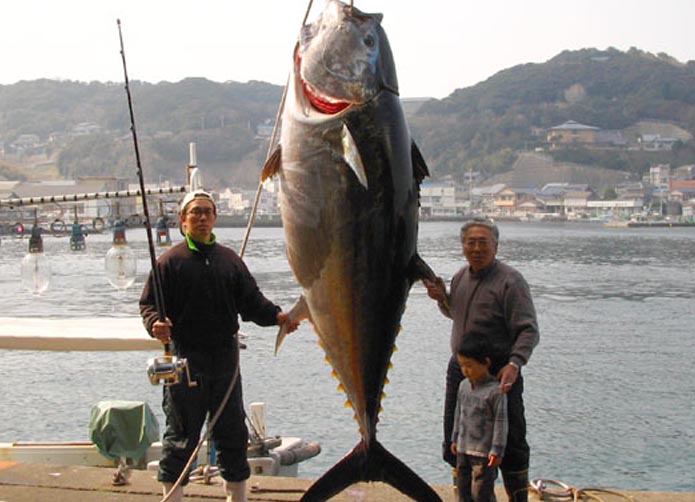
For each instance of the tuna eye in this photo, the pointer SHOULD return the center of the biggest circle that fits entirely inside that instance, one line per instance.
(369, 41)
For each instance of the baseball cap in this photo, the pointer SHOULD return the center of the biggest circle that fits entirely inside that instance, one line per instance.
(196, 194)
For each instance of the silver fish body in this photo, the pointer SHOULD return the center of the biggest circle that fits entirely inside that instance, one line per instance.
(350, 175)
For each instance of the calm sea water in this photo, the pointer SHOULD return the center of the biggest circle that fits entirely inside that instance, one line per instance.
(610, 388)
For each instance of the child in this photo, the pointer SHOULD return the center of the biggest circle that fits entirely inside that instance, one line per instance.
(480, 424)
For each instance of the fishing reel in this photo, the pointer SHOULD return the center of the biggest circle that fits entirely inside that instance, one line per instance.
(168, 369)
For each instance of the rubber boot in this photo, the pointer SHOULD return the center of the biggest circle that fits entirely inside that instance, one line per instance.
(236, 491)
(516, 485)
(177, 496)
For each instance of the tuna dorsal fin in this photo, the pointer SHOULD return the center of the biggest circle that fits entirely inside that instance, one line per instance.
(272, 165)
(352, 157)
(420, 171)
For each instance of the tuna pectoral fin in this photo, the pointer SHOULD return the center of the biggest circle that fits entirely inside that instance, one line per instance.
(272, 165)
(351, 154)
(419, 270)
(373, 463)
(298, 312)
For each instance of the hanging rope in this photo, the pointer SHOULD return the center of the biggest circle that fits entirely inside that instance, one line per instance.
(233, 383)
(271, 146)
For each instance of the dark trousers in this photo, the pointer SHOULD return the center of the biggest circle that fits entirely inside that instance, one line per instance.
(515, 462)
(475, 481)
(186, 409)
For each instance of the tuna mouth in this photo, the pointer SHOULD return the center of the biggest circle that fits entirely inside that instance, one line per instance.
(319, 101)
(322, 103)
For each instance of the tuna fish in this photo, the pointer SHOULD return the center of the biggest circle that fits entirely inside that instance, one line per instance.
(350, 176)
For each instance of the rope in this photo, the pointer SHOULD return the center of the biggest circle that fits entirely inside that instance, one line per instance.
(561, 491)
(271, 145)
(208, 431)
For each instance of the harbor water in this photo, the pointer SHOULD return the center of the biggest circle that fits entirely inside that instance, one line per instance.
(609, 390)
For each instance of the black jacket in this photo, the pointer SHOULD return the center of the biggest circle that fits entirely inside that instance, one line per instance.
(205, 290)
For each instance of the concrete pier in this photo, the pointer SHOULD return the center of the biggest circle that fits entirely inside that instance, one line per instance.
(34, 482)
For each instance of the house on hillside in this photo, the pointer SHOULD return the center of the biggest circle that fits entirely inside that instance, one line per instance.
(656, 142)
(85, 129)
(27, 144)
(572, 133)
(610, 138)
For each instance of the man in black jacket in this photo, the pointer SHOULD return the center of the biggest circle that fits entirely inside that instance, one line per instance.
(205, 287)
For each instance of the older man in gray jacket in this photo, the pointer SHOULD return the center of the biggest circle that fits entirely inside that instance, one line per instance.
(493, 299)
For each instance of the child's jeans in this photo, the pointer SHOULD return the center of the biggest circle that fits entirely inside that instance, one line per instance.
(475, 480)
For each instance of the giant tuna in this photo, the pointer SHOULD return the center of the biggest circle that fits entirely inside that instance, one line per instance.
(350, 176)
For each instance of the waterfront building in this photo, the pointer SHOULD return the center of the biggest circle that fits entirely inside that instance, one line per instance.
(443, 200)
(510, 198)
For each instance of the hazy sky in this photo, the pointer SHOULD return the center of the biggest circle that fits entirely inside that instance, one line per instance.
(439, 45)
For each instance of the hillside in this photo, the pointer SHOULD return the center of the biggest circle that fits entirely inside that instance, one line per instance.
(480, 127)
(535, 169)
(73, 129)
(85, 128)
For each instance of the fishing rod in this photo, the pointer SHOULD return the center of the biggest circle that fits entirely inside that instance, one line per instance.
(167, 368)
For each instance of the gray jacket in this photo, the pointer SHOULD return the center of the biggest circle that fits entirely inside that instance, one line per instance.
(480, 422)
(496, 303)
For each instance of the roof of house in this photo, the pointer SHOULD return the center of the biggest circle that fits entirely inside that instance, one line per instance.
(489, 190)
(572, 125)
(657, 138)
(558, 189)
(521, 190)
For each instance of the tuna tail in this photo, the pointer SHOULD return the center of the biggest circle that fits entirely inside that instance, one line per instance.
(370, 463)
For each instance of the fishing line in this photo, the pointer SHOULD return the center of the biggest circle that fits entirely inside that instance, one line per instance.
(156, 280)
(155, 274)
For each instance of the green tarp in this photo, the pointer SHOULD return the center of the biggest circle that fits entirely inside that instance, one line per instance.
(123, 429)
